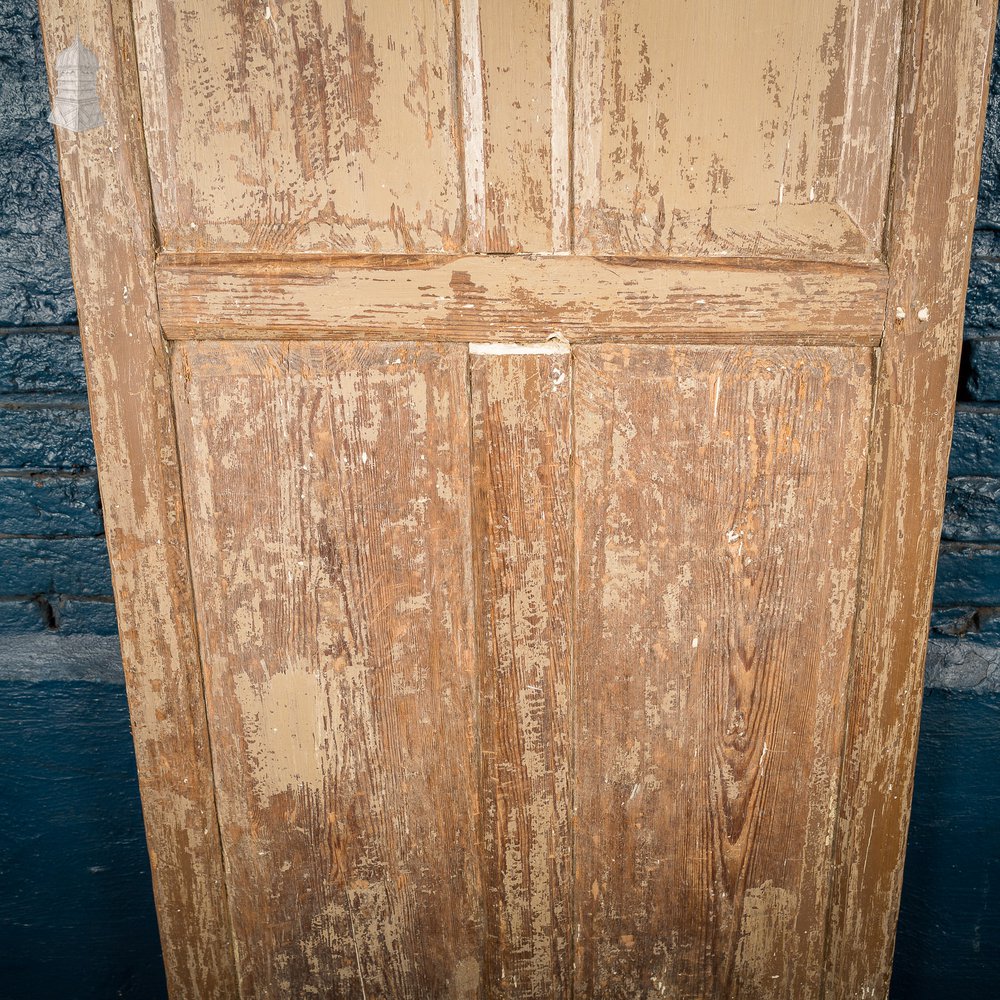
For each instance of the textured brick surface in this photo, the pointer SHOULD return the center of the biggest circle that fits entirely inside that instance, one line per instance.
(988, 208)
(35, 282)
(968, 575)
(76, 566)
(963, 653)
(982, 304)
(44, 432)
(42, 360)
(19, 616)
(975, 443)
(45, 503)
(981, 370)
(972, 510)
(79, 616)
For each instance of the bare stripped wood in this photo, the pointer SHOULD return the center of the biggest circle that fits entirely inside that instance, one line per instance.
(327, 493)
(522, 531)
(717, 129)
(302, 126)
(525, 96)
(521, 298)
(946, 57)
(718, 523)
(106, 195)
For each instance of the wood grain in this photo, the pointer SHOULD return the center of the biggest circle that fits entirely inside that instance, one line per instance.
(525, 96)
(718, 521)
(327, 493)
(521, 298)
(302, 125)
(945, 65)
(717, 129)
(522, 531)
(105, 191)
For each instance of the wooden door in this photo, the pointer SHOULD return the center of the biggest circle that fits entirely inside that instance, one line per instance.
(522, 430)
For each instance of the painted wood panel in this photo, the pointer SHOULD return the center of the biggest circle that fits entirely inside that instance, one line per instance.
(525, 49)
(511, 298)
(729, 128)
(718, 521)
(110, 224)
(302, 125)
(522, 525)
(328, 500)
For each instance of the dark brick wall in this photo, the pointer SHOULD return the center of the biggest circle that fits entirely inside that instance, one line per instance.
(76, 907)
(964, 649)
(54, 575)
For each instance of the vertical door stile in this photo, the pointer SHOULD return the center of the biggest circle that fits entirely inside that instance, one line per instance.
(522, 543)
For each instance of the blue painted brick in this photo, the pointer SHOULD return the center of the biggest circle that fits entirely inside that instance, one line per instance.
(988, 208)
(42, 360)
(65, 615)
(982, 302)
(972, 510)
(43, 435)
(50, 504)
(35, 283)
(975, 445)
(968, 575)
(78, 616)
(20, 616)
(77, 566)
(981, 370)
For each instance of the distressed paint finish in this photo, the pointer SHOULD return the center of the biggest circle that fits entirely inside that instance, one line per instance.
(522, 530)
(110, 223)
(719, 128)
(523, 298)
(525, 79)
(328, 487)
(403, 813)
(945, 64)
(718, 522)
(302, 125)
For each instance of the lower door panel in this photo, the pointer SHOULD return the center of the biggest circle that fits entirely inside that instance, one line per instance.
(526, 670)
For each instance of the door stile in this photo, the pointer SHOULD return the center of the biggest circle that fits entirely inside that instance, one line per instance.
(938, 145)
(111, 228)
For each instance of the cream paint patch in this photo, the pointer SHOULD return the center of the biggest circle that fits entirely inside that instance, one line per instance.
(767, 927)
(286, 730)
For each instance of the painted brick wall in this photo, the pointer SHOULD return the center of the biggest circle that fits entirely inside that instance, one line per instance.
(76, 908)
(72, 858)
(964, 652)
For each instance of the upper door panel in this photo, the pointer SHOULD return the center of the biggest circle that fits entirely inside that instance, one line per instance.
(651, 128)
(303, 125)
(733, 128)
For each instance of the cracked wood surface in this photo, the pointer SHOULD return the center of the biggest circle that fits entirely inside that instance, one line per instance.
(717, 525)
(482, 298)
(327, 489)
(521, 409)
(105, 189)
(945, 74)
(525, 623)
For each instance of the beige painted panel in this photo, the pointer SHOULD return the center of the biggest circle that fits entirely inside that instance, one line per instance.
(302, 125)
(719, 495)
(733, 128)
(328, 499)
(526, 124)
